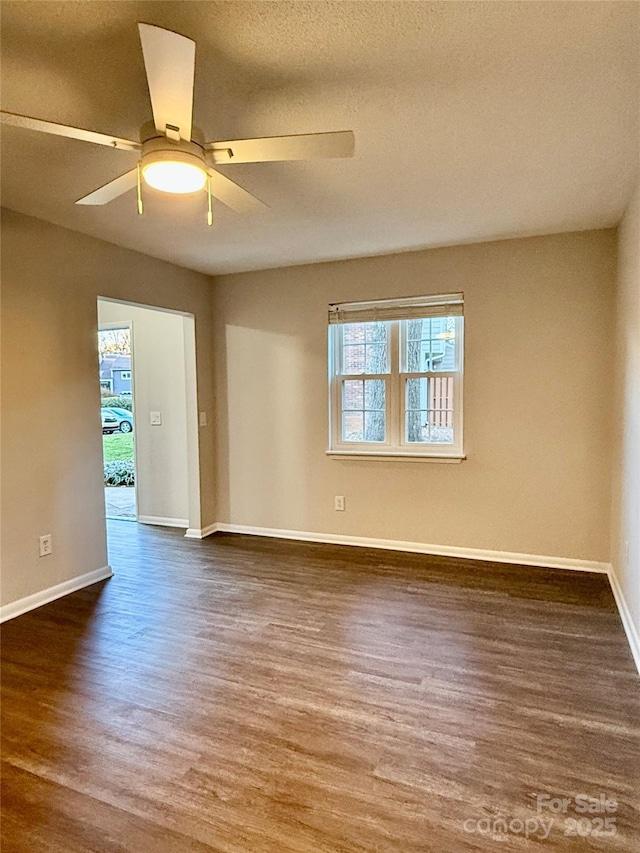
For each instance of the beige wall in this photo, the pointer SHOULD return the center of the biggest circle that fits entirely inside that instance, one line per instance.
(539, 360)
(626, 492)
(51, 450)
(162, 465)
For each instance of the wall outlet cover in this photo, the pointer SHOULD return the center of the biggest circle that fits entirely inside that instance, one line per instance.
(45, 545)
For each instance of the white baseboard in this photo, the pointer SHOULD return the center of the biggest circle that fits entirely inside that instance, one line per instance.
(201, 532)
(625, 615)
(30, 602)
(420, 548)
(160, 521)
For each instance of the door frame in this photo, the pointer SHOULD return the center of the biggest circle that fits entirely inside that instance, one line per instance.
(192, 410)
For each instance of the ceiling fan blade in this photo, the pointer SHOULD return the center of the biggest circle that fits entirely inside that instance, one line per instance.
(15, 120)
(232, 195)
(169, 60)
(112, 190)
(304, 146)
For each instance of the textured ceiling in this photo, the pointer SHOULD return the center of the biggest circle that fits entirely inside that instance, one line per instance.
(473, 120)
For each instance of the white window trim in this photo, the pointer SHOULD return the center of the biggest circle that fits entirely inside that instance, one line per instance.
(395, 446)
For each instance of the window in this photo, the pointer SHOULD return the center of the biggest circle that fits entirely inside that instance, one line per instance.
(396, 377)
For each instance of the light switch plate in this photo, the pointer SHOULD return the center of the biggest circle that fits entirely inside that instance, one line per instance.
(155, 418)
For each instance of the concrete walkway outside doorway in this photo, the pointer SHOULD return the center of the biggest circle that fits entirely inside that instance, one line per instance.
(120, 502)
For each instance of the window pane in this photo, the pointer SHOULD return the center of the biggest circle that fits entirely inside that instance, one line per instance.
(354, 358)
(376, 332)
(354, 333)
(429, 410)
(364, 410)
(353, 426)
(374, 394)
(353, 396)
(364, 348)
(430, 345)
(376, 358)
(374, 426)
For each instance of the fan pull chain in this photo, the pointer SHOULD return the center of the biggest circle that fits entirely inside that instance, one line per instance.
(209, 211)
(140, 205)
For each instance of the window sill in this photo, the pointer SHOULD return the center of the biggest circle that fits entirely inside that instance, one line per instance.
(454, 458)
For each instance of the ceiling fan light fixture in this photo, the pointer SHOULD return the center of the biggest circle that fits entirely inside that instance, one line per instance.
(174, 172)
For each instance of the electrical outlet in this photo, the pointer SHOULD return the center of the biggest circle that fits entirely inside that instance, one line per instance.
(203, 418)
(338, 503)
(46, 545)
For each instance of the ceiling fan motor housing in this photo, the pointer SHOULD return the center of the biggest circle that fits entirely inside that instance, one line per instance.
(161, 148)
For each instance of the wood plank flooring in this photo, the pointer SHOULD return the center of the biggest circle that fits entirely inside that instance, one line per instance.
(248, 695)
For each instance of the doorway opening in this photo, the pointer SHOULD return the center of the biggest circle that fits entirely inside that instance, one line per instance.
(118, 423)
(151, 441)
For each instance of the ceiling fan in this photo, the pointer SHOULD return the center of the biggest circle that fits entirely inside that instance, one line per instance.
(174, 156)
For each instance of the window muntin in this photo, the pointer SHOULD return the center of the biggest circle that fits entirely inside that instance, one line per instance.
(364, 411)
(429, 345)
(364, 348)
(396, 385)
(429, 410)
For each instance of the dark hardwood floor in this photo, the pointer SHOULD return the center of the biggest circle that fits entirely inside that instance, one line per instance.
(248, 695)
